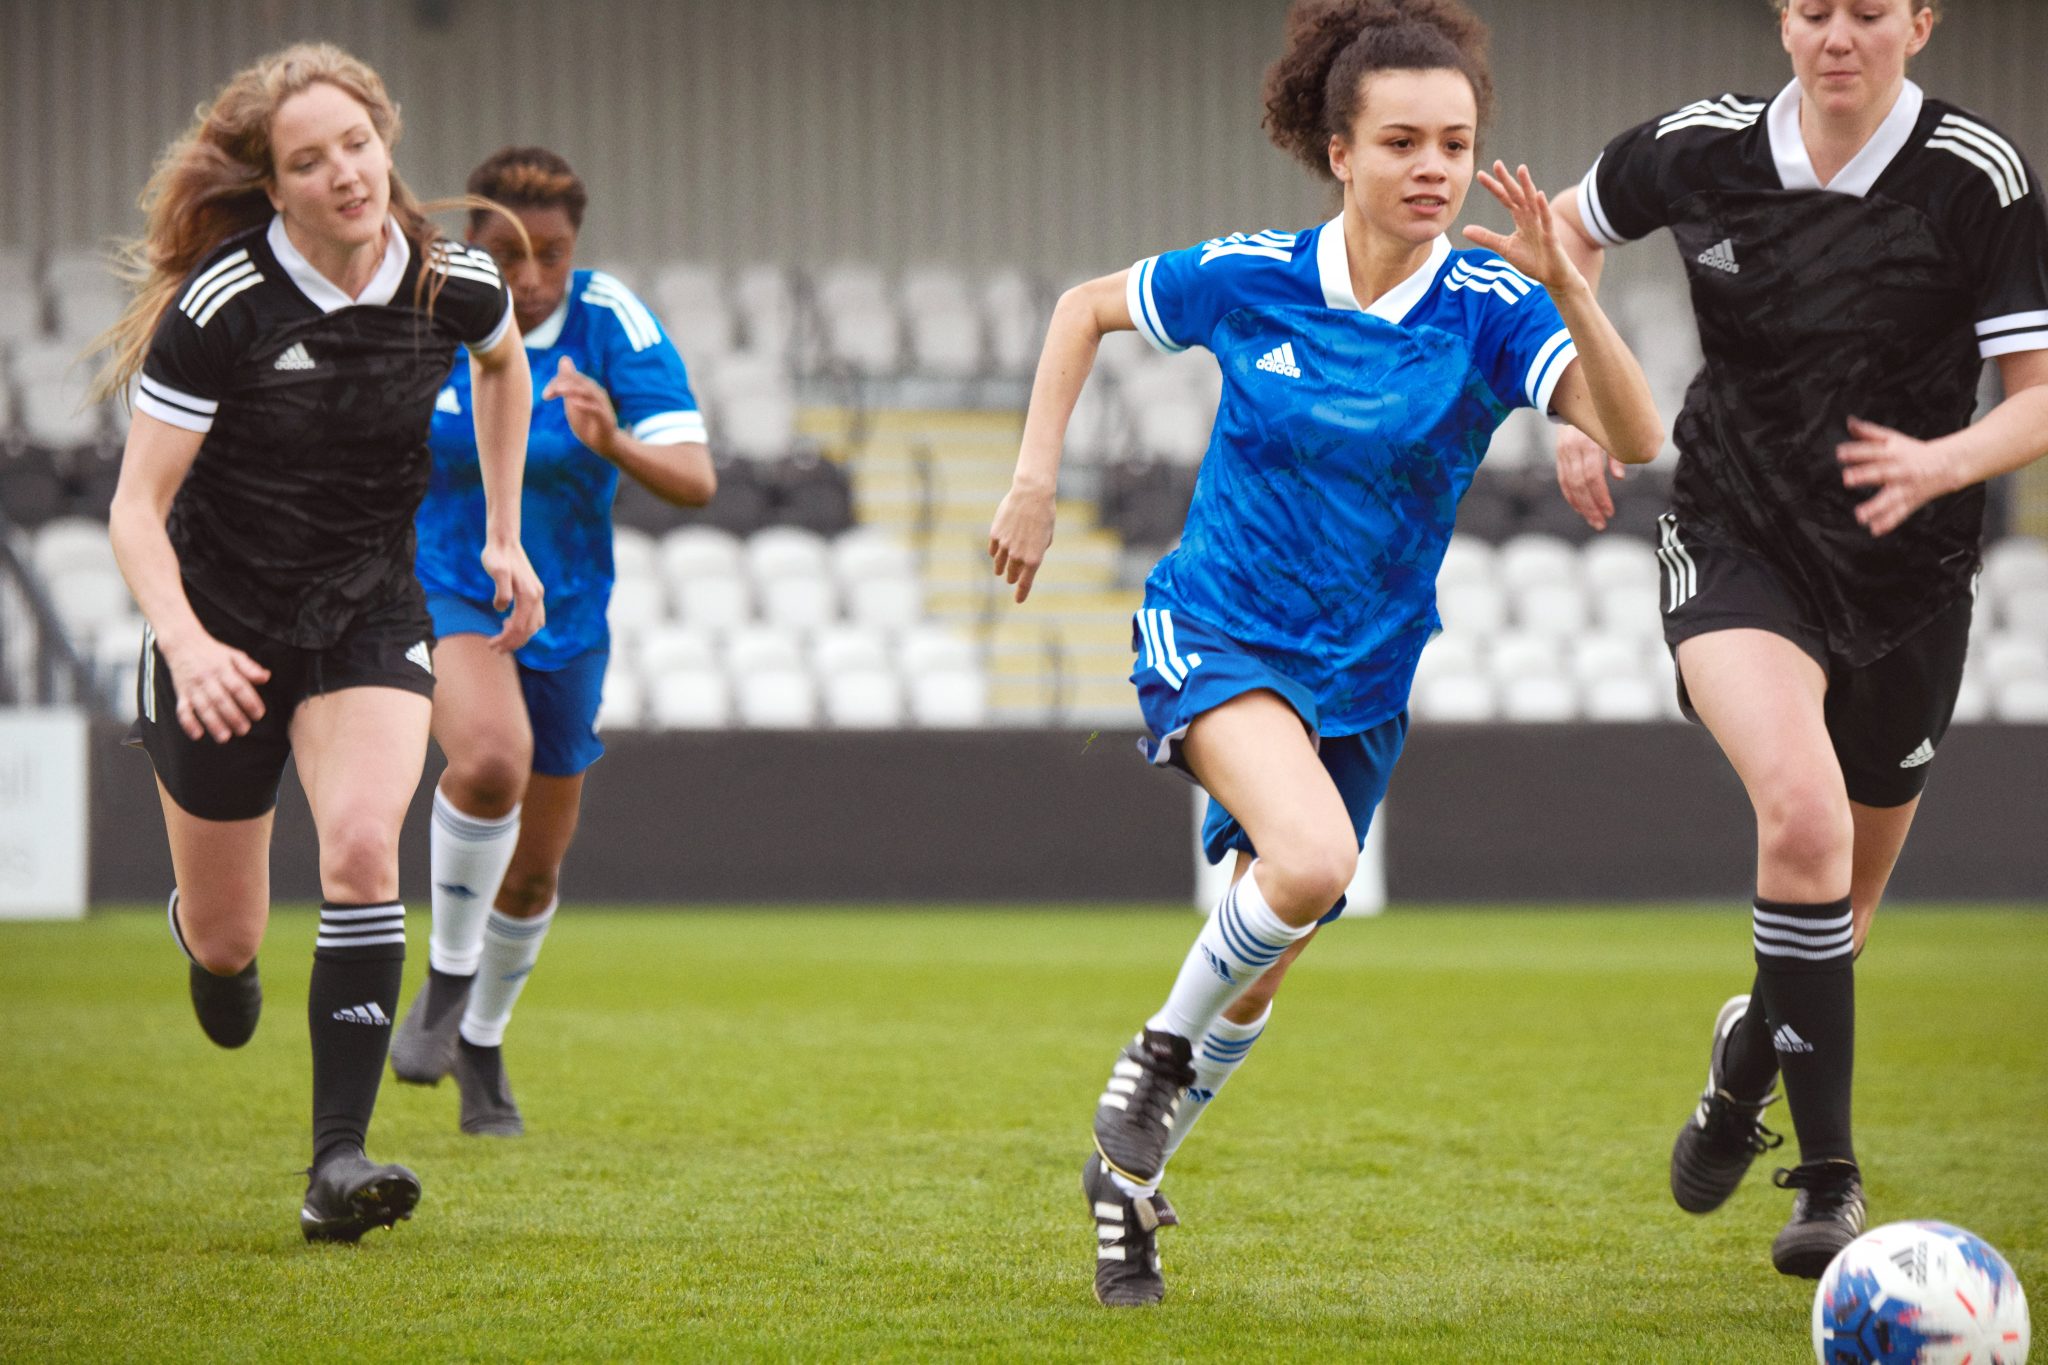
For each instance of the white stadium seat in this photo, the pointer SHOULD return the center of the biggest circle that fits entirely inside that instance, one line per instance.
(763, 649)
(865, 699)
(636, 604)
(633, 553)
(690, 699)
(777, 699)
(953, 700)
(799, 602)
(2014, 563)
(1539, 698)
(1460, 698)
(1633, 612)
(2025, 611)
(1513, 655)
(1973, 702)
(88, 599)
(1620, 698)
(889, 603)
(1618, 561)
(766, 305)
(1016, 321)
(1173, 430)
(665, 649)
(2008, 657)
(623, 703)
(1598, 656)
(946, 343)
(699, 552)
(1534, 558)
(847, 648)
(934, 649)
(1518, 443)
(70, 543)
(1557, 610)
(1475, 610)
(718, 604)
(786, 551)
(2024, 701)
(867, 551)
(1467, 559)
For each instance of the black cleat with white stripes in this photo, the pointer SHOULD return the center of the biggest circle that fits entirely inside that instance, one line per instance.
(1725, 1134)
(1127, 1268)
(1134, 1117)
(1827, 1215)
(348, 1194)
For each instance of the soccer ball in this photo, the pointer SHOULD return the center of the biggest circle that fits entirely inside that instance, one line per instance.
(1919, 1294)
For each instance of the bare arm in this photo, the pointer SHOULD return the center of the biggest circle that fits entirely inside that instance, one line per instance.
(1022, 530)
(1604, 390)
(681, 473)
(216, 683)
(1583, 467)
(1908, 474)
(502, 396)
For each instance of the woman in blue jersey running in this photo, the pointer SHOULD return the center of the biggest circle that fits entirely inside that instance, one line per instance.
(611, 394)
(1366, 365)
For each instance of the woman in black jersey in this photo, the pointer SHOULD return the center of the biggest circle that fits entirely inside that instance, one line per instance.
(1856, 249)
(292, 328)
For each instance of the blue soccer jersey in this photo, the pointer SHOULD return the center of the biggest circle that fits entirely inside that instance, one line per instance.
(566, 511)
(1344, 440)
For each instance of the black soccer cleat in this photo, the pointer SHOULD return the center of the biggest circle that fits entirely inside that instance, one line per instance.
(423, 1048)
(1134, 1117)
(1725, 1134)
(487, 1106)
(1827, 1215)
(228, 1006)
(1127, 1270)
(348, 1194)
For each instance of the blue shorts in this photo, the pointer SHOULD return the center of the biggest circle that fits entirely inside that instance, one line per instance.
(561, 703)
(1185, 668)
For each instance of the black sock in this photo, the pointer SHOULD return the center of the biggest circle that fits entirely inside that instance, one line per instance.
(1749, 1064)
(1806, 975)
(358, 963)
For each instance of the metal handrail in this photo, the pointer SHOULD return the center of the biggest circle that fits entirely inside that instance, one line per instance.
(55, 655)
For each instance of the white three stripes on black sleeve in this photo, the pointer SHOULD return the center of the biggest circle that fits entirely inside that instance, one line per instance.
(364, 926)
(1812, 940)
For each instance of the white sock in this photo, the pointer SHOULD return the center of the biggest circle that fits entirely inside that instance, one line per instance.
(1221, 1051)
(468, 858)
(1241, 940)
(511, 946)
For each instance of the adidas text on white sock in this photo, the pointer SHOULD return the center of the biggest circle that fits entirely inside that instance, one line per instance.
(468, 857)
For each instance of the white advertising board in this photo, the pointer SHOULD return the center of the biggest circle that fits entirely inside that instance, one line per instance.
(43, 814)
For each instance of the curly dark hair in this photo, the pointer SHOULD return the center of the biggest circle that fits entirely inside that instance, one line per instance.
(529, 178)
(1315, 90)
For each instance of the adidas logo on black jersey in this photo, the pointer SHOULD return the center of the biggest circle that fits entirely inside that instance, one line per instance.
(1721, 256)
(294, 358)
(1280, 360)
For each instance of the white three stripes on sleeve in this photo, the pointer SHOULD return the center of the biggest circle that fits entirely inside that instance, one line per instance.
(1593, 214)
(179, 409)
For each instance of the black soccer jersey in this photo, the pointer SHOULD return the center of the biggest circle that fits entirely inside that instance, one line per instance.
(297, 515)
(1877, 297)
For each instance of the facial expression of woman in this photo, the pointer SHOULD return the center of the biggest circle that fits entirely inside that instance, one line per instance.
(1850, 55)
(331, 172)
(539, 279)
(1408, 161)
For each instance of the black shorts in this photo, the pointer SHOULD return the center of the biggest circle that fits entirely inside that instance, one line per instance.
(389, 647)
(1886, 718)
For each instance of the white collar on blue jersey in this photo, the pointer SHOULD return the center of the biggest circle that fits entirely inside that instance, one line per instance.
(1333, 262)
(1795, 167)
(325, 294)
(549, 332)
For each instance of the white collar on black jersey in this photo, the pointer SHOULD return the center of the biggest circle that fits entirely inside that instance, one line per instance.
(324, 293)
(1795, 167)
(1333, 262)
(549, 332)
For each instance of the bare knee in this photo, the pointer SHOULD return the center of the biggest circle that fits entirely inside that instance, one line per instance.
(1301, 881)
(1806, 831)
(359, 858)
(223, 950)
(489, 783)
(526, 894)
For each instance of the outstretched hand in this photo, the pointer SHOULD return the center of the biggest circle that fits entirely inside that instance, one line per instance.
(1535, 249)
(1907, 474)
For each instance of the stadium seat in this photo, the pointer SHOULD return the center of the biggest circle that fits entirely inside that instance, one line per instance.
(1517, 444)
(846, 648)
(1477, 610)
(1597, 656)
(1620, 698)
(633, 553)
(886, 603)
(53, 384)
(762, 649)
(799, 602)
(2014, 563)
(1633, 612)
(690, 699)
(636, 604)
(665, 649)
(946, 343)
(1557, 610)
(623, 703)
(1514, 654)
(1098, 432)
(1458, 698)
(2025, 611)
(691, 552)
(868, 552)
(757, 424)
(776, 699)
(1448, 654)
(934, 649)
(786, 551)
(864, 699)
(2008, 657)
(86, 599)
(1467, 559)
(714, 604)
(2023, 701)
(1973, 702)
(69, 544)
(766, 306)
(1538, 698)
(952, 700)
(1533, 559)
(1618, 561)
(1173, 429)
(1016, 321)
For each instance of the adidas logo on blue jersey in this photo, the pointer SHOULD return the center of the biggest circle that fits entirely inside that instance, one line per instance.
(1721, 256)
(1280, 360)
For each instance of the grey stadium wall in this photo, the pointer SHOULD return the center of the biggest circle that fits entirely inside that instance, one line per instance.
(1500, 813)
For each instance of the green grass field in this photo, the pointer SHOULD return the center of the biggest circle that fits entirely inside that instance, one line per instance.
(851, 1134)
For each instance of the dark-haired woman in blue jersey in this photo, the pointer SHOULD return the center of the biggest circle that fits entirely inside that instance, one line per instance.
(1366, 365)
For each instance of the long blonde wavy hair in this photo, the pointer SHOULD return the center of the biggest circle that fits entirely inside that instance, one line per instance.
(213, 182)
